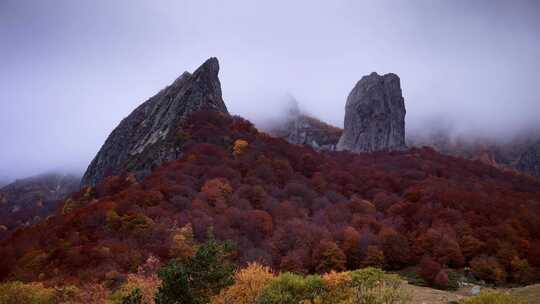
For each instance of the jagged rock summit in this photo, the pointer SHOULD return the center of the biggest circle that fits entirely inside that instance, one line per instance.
(146, 138)
(374, 115)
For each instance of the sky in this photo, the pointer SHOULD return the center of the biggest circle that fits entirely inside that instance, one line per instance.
(70, 70)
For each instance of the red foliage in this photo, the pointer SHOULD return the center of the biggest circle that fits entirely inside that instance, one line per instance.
(428, 269)
(441, 279)
(295, 209)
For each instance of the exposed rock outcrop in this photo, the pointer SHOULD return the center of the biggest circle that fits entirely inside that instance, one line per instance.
(302, 129)
(146, 138)
(374, 115)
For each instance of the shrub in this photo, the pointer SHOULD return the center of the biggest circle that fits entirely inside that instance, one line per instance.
(374, 286)
(196, 279)
(248, 285)
(441, 280)
(135, 297)
(146, 287)
(488, 269)
(337, 286)
(289, 288)
(31, 293)
(90, 293)
(183, 244)
(493, 298)
(428, 269)
(521, 270)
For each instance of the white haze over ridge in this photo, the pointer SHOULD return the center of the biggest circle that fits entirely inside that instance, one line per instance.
(71, 70)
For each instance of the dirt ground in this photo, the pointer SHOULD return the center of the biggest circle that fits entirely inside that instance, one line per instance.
(424, 295)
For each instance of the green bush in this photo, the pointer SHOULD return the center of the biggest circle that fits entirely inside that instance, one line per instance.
(374, 286)
(493, 298)
(364, 286)
(196, 279)
(289, 288)
(32, 293)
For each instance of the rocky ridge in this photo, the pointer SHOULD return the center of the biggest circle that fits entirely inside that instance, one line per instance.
(150, 134)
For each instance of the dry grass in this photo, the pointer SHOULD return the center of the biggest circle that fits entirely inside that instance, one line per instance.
(530, 293)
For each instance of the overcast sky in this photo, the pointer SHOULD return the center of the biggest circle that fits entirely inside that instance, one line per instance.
(71, 70)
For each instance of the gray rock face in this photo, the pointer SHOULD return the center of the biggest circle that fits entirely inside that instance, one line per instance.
(374, 115)
(146, 138)
(529, 162)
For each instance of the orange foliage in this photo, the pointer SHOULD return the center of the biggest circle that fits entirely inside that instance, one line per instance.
(239, 147)
(249, 283)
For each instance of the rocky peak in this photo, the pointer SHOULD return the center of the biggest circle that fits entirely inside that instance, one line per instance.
(146, 137)
(374, 115)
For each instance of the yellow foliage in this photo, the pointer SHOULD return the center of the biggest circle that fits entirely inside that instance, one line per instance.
(31, 293)
(249, 283)
(148, 285)
(69, 205)
(90, 293)
(183, 244)
(337, 285)
(240, 146)
(67, 294)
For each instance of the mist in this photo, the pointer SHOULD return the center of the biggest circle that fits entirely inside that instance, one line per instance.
(71, 70)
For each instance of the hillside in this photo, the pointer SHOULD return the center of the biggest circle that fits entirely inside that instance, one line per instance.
(518, 154)
(291, 208)
(28, 201)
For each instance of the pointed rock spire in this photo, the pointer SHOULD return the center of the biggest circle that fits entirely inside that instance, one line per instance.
(374, 115)
(145, 138)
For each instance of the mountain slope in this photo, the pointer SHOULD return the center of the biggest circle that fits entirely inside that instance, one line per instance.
(27, 201)
(290, 207)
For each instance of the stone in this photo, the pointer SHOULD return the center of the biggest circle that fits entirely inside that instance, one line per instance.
(474, 290)
(374, 115)
(146, 138)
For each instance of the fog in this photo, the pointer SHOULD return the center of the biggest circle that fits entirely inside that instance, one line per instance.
(71, 70)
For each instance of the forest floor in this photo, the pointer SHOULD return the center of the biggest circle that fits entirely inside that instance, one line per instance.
(425, 295)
